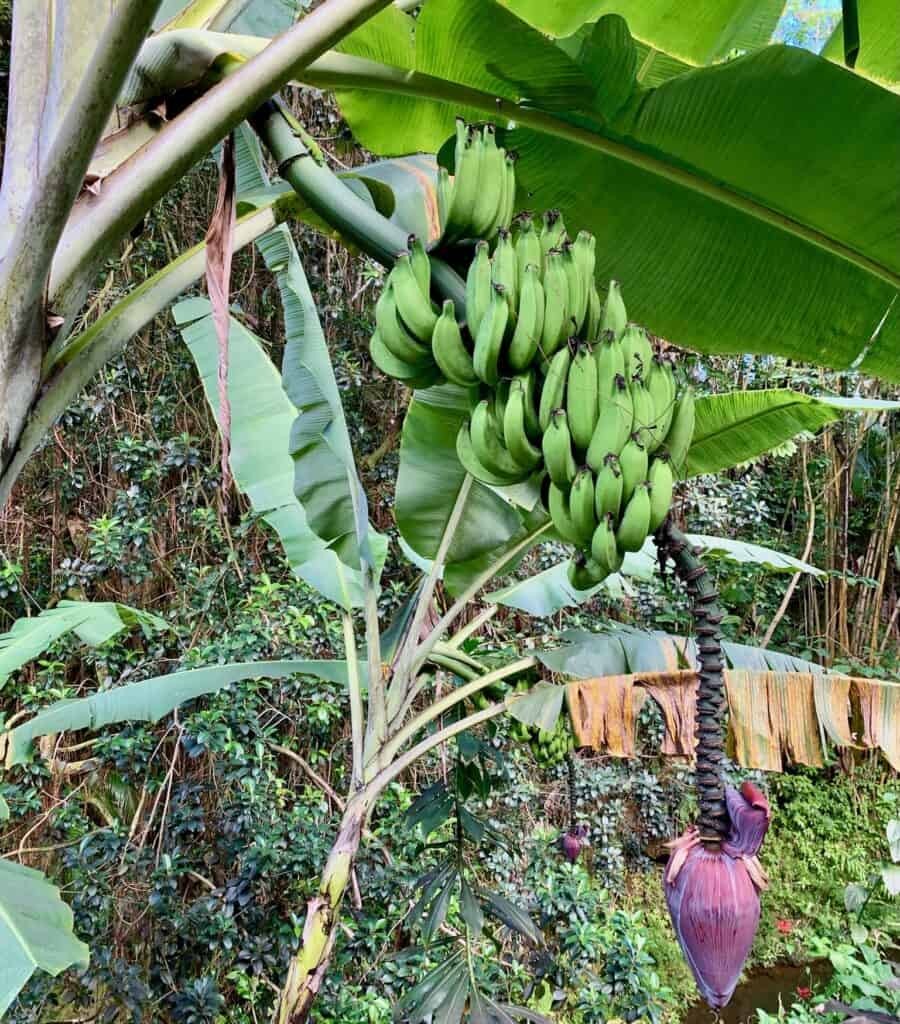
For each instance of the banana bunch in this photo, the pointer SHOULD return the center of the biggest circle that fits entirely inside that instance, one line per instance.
(547, 748)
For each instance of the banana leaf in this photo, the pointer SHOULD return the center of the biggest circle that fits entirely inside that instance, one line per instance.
(879, 53)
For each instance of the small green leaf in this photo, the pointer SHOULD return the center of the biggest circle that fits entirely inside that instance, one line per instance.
(855, 896)
(470, 908)
(513, 917)
(890, 875)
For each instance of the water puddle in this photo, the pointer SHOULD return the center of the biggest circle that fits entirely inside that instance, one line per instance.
(762, 990)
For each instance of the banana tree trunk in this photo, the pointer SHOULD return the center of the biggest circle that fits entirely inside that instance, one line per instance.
(310, 965)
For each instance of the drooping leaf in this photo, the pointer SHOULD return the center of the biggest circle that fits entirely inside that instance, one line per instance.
(512, 916)
(698, 195)
(150, 699)
(879, 33)
(438, 989)
(540, 707)
(879, 708)
(740, 425)
(36, 930)
(262, 418)
(470, 908)
(92, 623)
(604, 713)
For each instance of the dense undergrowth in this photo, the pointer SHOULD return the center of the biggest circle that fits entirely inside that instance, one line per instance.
(187, 850)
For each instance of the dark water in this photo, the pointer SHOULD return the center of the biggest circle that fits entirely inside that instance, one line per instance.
(761, 991)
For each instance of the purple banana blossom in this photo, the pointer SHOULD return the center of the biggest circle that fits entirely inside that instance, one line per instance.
(713, 895)
(571, 842)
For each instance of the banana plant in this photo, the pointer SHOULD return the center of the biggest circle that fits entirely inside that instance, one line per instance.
(647, 168)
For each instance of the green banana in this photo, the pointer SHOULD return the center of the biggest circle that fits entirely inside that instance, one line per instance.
(613, 428)
(581, 505)
(503, 268)
(421, 265)
(478, 287)
(508, 202)
(469, 149)
(422, 376)
(401, 344)
(557, 447)
(613, 316)
(576, 286)
(489, 340)
(584, 250)
(414, 308)
(581, 396)
(633, 463)
(661, 481)
(593, 315)
(610, 362)
(556, 297)
(515, 431)
(471, 464)
(532, 424)
(498, 397)
(553, 231)
(445, 197)
(604, 549)
(608, 489)
(638, 352)
(584, 573)
(681, 433)
(449, 349)
(634, 525)
(487, 444)
(528, 247)
(554, 388)
(661, 386)
(558, 502)
(530, 321)
(644, 415)
(491, 179)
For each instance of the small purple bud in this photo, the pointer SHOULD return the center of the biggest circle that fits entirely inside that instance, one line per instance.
(571, 842)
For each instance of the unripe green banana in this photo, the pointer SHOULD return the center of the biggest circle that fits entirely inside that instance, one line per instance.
(414, 308)
(529, 385)
(613, 428)
(638, 352)
(604, 549)
(498, 396)
(661, 386)
(634, 525)
(608, 489)
(584, 250)
(555, 328)
(634, 465)
(581, 505)
(515, 431)
(528, 246)
(661, 481)
(613, 316)
(421, 265)
(487, 444)
(557, 447)
(530, 322)
(585, 573)
(581, 397)
(504, 270)
(491, 183)
(553, 231)
(471, 464)
(554, 388)
(445, 197)
(399, 342)
(594, 315)
(469, 149)
(558, 502)
(478, 287)
(678, 440)
(489, 340)
(610, 361)
(576, 284)
(644, 415)
(449, 349)
(421, 376)
(508, 202)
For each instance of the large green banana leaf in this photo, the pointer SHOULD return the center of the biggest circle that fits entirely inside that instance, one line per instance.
(35, 930)
(92, 622)
(879, 32)
(150, 699)
(262, 416)
(699, 191)
(738, 426)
